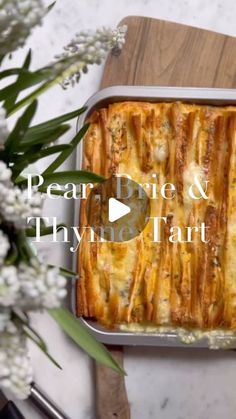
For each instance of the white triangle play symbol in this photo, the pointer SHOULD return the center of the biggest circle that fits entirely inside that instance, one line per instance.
(116, 210)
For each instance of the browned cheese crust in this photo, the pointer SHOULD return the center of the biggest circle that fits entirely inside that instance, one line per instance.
(174, 284)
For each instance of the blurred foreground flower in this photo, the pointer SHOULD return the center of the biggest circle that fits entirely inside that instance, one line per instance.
(9, 286)
(15, 367)
(15, 207)
(17, 18)
(32, 286)
(89, 48)
(40, 286)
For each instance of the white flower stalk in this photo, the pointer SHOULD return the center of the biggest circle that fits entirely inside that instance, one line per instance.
(41, 286)
(15, 369)
(87, 48)
(9, 286)
(3, 127)
(4, 246)
(17, 18)
(15, 207)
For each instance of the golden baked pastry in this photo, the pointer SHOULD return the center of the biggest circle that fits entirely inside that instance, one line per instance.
(174, 284)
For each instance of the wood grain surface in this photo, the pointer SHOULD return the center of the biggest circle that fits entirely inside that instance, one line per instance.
(169, 54)
(111, 397)
(163, 54)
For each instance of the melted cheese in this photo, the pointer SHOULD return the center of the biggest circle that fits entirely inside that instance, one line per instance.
(161, 151)
(181, 286)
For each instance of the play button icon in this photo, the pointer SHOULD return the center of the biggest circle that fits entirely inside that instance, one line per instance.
(117, 209)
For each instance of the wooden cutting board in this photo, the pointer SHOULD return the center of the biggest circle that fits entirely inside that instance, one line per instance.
(161, 53)
(169, 54)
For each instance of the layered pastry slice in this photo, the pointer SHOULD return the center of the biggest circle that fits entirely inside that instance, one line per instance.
(185, 284)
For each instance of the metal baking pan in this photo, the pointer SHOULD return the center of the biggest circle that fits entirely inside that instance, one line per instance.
(210, 96)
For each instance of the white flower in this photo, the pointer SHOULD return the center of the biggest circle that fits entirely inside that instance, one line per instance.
(31, 287)
(4, 246)
(5, 174)
(17, 18)
(15, 207)
(3, 127)
(9, 286)
(40, 286)
(15, 369)
(88, 48)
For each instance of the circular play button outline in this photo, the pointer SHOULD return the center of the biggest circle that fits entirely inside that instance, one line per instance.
(117, 209)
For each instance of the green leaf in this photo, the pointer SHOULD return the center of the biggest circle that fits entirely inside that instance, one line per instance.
(31, 157)
(51, 74)
(73, 327)
(10, 72)
(65, 154)
(27, 79)
(68, 273)
(53, 123)
(43, 349)
(44, 231)
(20, 161)
(54, 149)
(50, 7)
(24, 247)
(53, 192)
(43, 138)
(20, 179)
(34, 154)
(76, 177)
(35, 337)
(12, 255)
(10, 101)
(48, 76)
(20, 129)
(65, 272)
(28, 59)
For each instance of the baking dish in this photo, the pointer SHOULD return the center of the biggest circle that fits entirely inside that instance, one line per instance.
(164, 336)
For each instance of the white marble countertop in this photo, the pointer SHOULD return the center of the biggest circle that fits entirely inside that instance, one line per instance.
(163, 383)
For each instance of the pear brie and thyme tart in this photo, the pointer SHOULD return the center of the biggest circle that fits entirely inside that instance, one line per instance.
(186, 284)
